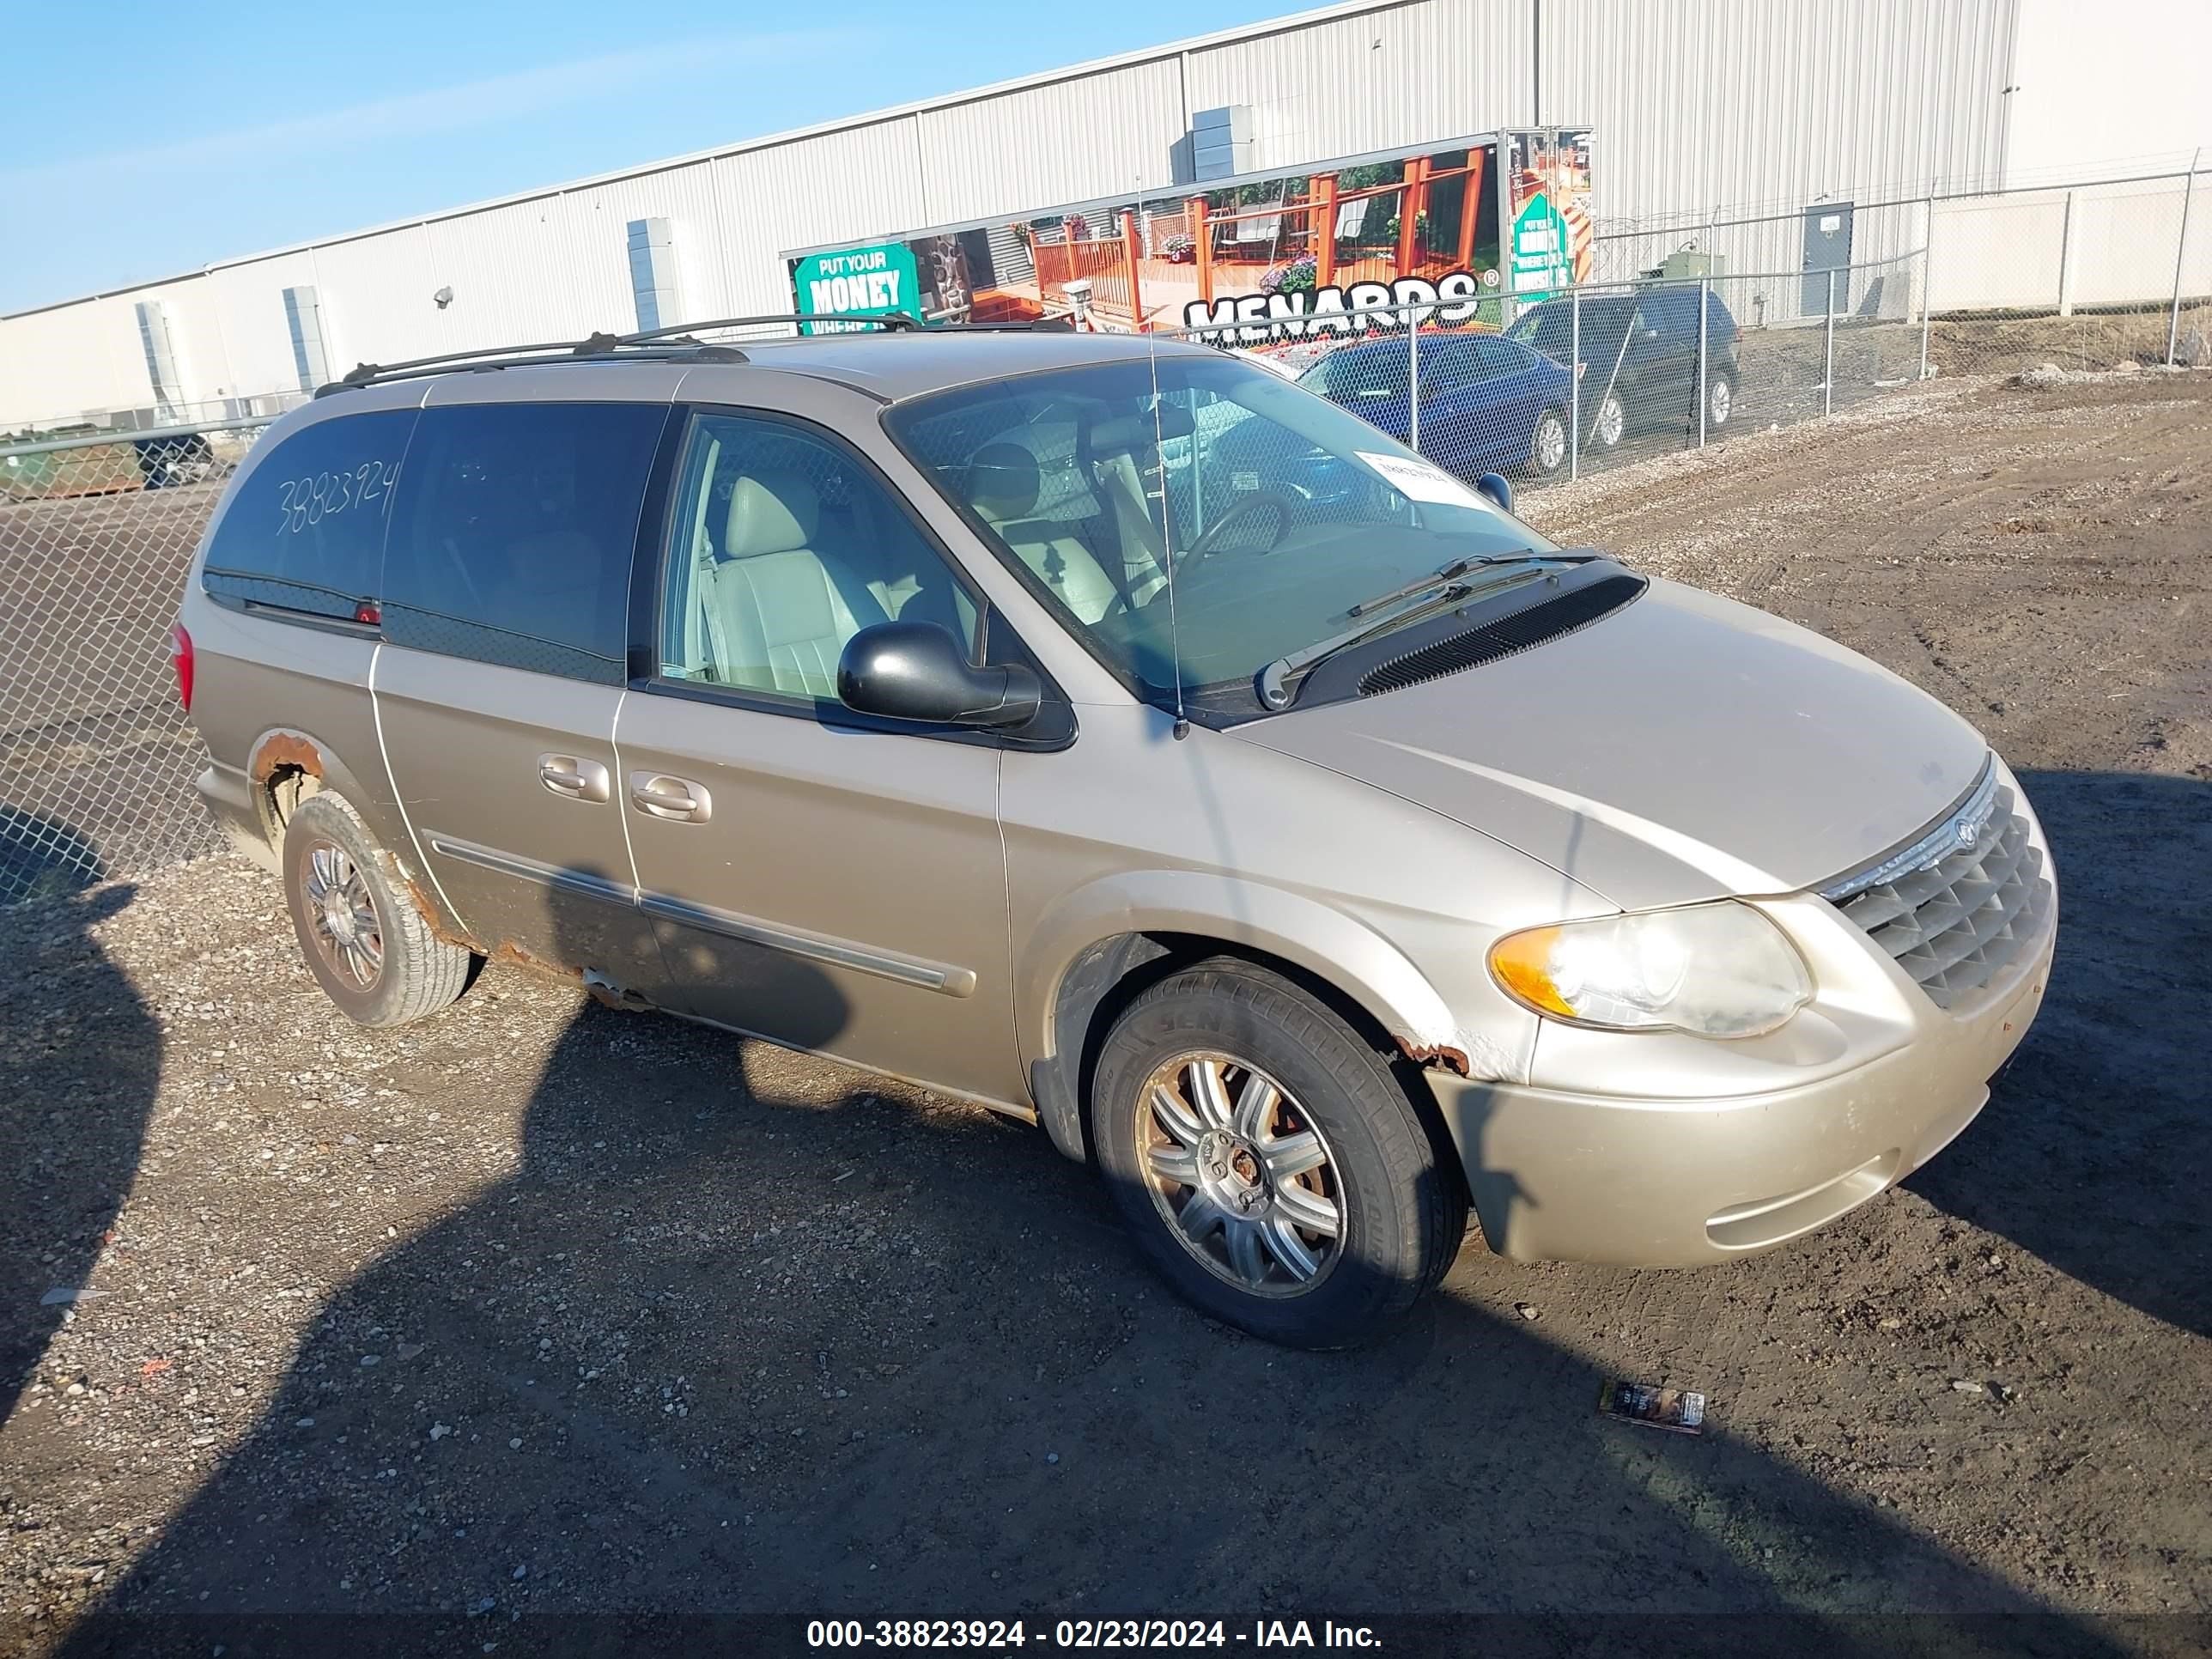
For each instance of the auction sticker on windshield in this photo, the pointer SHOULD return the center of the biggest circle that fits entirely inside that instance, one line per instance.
(1418, 480)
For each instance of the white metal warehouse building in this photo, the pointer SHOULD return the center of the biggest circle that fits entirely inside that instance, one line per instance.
(1696, 106)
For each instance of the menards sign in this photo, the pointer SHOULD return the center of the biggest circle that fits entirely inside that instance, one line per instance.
(1250, 319)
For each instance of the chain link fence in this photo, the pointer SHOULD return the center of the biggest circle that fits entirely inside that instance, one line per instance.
(1609, 372)
(96, 758)
(2085, 277)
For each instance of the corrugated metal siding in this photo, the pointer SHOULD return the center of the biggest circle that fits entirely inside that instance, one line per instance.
(1746, 105)
(1439, 68)
(1107, 135)
(863, 183)
(685, 198)
(376, 292)
(256, 342)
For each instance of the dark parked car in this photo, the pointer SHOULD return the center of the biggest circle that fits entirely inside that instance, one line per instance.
(1488, 403)
(1640, 356)
(178, 458)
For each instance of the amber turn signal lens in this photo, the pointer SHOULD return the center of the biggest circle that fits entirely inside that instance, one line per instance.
(1522, 964)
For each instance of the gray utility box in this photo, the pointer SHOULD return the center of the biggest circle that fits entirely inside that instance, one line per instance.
(1221, 142)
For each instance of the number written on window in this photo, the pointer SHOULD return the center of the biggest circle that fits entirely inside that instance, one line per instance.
(301, 502)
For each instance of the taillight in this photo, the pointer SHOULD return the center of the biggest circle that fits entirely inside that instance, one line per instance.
(180, 659)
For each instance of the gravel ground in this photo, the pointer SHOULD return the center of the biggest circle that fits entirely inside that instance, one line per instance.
(541, 1309)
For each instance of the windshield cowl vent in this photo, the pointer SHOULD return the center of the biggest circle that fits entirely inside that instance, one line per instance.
(1504, 636)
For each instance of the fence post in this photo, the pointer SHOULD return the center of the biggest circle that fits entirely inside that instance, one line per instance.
(1927, 277)
(1703, 287)
(1413, 380)
(2066, 247)
(2180, 253)
(1324, 230)
(1202, 249)
(1828, 370)
(1575, 367)
(1132, 250)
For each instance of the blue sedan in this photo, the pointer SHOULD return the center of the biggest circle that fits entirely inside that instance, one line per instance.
(1488, 403)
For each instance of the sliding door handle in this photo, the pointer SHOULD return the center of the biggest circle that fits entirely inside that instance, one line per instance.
(658, 795)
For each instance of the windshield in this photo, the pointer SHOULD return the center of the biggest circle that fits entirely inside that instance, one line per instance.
(1275, 511)
(1550, 328)
(1358, 376)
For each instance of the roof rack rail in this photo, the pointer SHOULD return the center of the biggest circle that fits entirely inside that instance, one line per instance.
(891, 322)
(679, 343)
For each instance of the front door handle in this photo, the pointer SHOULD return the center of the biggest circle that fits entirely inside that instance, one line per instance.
(576, 778)
(658, 795)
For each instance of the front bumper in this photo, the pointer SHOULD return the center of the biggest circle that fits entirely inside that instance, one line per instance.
(1566, 1175)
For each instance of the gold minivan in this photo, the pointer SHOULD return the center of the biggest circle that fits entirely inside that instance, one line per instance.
(1120, 736)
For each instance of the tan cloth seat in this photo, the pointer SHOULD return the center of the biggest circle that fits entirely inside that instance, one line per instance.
(784, 612)
(1004, 482)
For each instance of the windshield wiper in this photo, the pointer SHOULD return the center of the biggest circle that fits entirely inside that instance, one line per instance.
(1438, 591)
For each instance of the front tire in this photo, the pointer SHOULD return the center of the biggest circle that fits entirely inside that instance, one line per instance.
(1270, 1162)
(1547, 444)
(368, 945)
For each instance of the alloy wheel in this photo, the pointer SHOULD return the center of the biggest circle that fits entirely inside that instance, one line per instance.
(1612, 420)
(1551, 446)
(1239, 1171)
(342, 914)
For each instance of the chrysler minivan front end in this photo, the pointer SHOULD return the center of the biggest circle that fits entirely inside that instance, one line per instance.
(1714, 1080)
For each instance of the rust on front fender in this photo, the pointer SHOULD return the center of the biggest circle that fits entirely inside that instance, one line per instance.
(1451, 1059)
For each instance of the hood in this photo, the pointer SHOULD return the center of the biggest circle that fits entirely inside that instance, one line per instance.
(1683, 748)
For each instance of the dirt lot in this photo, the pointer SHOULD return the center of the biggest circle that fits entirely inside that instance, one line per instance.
(541, 1308)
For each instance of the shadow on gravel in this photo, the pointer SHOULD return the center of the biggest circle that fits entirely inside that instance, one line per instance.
(70, 1132)
(2093, 1150)
(715, 1351)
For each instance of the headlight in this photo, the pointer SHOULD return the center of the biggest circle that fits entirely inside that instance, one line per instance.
(1717, 971)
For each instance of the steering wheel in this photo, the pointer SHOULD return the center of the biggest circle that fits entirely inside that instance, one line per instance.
(1280, 502)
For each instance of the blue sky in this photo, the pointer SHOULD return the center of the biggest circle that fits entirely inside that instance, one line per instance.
(139, 140)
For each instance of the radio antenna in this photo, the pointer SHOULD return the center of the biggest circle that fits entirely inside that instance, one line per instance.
(1142, 325)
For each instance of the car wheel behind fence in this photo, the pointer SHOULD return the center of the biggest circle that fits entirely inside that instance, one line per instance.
(1610, 422)
(1547, 444)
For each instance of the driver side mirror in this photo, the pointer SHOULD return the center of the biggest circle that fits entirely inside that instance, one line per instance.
(1493, 485)
(916, 671)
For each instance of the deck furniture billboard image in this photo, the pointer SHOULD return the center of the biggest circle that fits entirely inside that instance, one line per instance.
(1315, 251)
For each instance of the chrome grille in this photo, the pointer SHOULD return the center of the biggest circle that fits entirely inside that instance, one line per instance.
(1976, 901)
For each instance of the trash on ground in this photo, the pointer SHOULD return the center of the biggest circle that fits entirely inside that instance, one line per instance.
(61, 1294)
(1527, 1311)
(1678, 1411)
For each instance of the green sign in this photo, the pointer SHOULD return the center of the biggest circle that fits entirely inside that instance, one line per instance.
(1540, 260)
(856, 281)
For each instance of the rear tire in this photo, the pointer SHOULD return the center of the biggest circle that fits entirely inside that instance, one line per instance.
(1720, 401)
(367, 943)
(1330, 1211)
(1610, 422)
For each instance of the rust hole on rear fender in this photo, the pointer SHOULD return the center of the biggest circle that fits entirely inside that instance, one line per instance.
(280, 749)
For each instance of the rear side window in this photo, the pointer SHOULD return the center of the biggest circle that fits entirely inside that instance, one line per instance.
(512, 540)
(305, 529)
